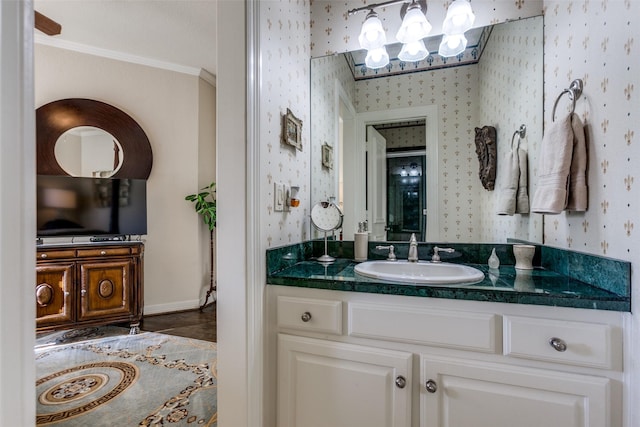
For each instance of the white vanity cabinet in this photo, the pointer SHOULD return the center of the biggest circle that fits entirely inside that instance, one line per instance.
(358, 359)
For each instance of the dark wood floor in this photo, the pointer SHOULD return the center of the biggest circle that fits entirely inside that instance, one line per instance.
(191, 324)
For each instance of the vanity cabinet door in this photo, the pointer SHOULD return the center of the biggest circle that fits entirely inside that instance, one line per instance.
(324, 383)
(54, 284)
(106, 289)
(463, 393)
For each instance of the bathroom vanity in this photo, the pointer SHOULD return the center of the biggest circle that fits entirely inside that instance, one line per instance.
(351, 351)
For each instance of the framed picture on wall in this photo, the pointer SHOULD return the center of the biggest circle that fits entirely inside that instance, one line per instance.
(292, 130)
(327, 156)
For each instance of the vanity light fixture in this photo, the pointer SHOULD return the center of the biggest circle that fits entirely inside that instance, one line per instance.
(414, 28)
(377, 58)
(452, 45)
(413, 52)
(459, 19)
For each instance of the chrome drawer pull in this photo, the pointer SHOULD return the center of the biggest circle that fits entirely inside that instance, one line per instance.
(306, 316)
(43, 255)
(103, 252)
(431, 386)
(558, 344)
(401, 381)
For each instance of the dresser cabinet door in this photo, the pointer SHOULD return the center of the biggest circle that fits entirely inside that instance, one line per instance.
(106, 289)
(465, 393)
(325, 383)
(54, 284)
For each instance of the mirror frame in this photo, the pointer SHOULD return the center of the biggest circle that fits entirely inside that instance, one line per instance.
(57, 117)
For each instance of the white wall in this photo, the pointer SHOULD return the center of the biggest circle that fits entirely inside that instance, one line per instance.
(176, 112)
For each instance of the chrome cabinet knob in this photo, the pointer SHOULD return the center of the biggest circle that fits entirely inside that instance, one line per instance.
(306, 316)
(401, 382)
(103, 252)
(83, 292)
(558, 344)
(43, 255)
(431, 386)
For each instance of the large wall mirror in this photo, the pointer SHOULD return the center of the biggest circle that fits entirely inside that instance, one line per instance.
(88, 138)
(403, 137)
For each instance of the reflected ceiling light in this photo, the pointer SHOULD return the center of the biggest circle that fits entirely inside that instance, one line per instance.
(372, 34)
(377, 58)
(414, 25)
(459, 18)
(452, 45)
(413, 52)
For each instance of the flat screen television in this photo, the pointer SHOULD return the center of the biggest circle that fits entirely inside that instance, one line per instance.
(77, 206)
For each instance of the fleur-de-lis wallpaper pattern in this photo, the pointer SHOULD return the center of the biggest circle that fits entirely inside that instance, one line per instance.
(284, 48)
(599, 42)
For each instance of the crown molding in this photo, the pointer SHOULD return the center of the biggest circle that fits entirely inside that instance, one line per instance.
(125, 57)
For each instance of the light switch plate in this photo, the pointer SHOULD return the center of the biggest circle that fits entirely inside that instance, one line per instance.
(279, 196)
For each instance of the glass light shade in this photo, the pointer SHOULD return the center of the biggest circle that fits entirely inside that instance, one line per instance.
(377, 58)
(452, 45)
(372, 34)
(459, 18)
(413, 52)
(414, 26)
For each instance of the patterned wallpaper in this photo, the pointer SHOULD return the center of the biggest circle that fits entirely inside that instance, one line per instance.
(599, 42)
(333, 30)
(511, 88)
(406, 137)
(284, 50)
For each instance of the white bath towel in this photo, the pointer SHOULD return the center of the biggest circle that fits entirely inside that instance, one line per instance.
(563, 151)
(513, 196)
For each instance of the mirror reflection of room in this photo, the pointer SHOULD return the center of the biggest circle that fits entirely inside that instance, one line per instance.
(496, 82)
(88, 151)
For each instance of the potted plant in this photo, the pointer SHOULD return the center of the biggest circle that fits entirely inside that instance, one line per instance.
(205, 205)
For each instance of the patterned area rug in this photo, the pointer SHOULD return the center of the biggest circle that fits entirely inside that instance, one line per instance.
(102, 377)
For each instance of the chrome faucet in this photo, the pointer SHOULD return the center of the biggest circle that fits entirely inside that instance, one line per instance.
(413, 249)
(436, 256)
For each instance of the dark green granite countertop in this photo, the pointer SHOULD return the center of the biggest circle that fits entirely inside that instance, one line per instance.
(540, 286)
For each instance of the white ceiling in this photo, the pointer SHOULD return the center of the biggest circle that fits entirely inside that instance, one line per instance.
(178, 32)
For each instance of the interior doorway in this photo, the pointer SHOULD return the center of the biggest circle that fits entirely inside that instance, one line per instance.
(406, 196)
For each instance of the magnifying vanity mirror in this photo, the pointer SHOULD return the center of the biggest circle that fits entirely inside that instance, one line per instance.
(88, 151)
(326, 217)
(403, 137)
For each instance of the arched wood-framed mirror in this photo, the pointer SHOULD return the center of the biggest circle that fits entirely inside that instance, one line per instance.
(58, 117)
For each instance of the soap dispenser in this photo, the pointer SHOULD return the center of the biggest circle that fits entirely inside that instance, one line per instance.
(493, 261)
(361, 242)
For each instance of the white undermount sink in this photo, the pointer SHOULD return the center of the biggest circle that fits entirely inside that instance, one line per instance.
(421, 272)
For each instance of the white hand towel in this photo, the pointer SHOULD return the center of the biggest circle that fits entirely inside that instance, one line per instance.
(522, 197)
(551, 193)
(578, 195)
(507, 195)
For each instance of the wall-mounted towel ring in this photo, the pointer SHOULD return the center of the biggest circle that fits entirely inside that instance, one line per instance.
(521, 132)
(574, 91)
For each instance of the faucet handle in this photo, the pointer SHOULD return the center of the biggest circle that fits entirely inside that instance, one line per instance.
(436, 255)
(392, 254)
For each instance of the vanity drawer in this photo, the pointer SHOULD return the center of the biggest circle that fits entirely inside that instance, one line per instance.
(575, 343)
(310, 314)
(452, 329)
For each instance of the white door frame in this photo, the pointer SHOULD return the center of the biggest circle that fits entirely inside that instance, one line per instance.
(428, 113)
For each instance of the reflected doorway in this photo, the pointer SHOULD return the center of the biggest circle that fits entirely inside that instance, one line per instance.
(406, 196)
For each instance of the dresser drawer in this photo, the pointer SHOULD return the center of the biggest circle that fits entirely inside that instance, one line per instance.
(310, 314)
(558, 341)
(55, 254)
(426, 326)
(103, 252)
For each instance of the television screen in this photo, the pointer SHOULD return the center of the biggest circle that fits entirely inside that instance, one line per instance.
(78, 206)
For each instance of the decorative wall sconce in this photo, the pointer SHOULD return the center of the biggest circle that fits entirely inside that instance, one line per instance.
(415, 27)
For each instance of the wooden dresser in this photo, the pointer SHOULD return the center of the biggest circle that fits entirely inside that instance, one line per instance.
(88, 285)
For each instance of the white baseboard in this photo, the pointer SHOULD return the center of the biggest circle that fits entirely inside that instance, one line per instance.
(174, 306)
